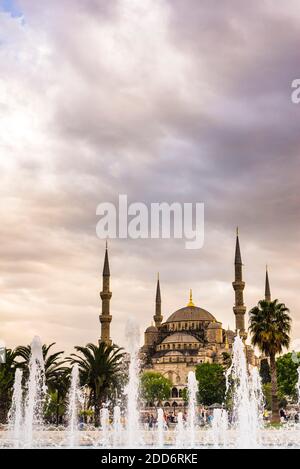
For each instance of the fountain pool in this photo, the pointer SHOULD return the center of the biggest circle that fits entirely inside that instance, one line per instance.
(242, 427)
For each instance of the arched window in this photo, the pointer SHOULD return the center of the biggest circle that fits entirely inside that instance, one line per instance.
(174, 392)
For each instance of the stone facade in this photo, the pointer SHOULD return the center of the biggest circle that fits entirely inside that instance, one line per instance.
(192, 335)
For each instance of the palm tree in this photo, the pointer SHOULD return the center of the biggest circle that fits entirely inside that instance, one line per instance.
(52, 363)
(100, 368)
(270, 325)
(58, 387)
(7, 374)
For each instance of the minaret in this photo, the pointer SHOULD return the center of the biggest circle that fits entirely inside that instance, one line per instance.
(105, 317)
(267, 287)
(239, 308)
(158, 318)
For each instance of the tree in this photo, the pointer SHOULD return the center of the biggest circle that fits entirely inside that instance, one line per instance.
(100, 367)
(267, 390)
(264, 371)
(287, 375)
(7, 374)
(59, 388)
(52, 362)
(155, 387)
(270, 326)
(212, 383)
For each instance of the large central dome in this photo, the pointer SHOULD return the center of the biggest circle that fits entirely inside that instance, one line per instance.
(191, 313)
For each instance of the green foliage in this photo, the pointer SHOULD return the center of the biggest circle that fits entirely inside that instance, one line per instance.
(270, 326)
(211, 383)
(265, 371)
(155, 387)
(100, 368)
(53, 363)
(267, 390)
(287, 375)
(185, 396)
(7, 374)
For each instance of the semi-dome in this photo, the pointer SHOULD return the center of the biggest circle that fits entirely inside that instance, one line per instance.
(173, 353)
(151, 329)
(215, 325)
(180, 337)
(191, 313)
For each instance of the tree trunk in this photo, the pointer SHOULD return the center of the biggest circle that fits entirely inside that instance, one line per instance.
(275, 404)
(97, 407)
(3, 414)
(4, 406)
(57, 408)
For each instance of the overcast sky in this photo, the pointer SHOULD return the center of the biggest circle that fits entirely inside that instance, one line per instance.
(179, 100)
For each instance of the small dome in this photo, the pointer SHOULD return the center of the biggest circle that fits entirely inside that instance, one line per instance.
(215, 325)
(180, 337)
(191, 313)
(151, 329)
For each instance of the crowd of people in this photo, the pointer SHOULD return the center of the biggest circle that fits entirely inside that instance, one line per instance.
(203, 417)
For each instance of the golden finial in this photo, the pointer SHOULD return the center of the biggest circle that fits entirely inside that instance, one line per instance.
(190, 303)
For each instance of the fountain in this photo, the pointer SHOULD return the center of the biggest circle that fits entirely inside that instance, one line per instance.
(72, 410)
(240, 425)
(219, 428)
(105, 426)
(180, 436)
(245, 412)
(16, 410)
(160, 428)
(117, 427)
(36, 394)
(132, 388)
(192, 398)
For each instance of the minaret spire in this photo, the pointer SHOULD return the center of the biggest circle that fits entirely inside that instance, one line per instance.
(239, 308)
(105, 294)
(158, 318)
(267, 286)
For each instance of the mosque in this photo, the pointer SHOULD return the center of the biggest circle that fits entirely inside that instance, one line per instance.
(189, 336)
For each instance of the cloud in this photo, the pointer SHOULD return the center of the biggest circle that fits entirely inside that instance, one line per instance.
(162, 102)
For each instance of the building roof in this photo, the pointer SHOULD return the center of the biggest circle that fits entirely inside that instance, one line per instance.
(151, 329)
(215, 325)
(191, 313)
(180, 337)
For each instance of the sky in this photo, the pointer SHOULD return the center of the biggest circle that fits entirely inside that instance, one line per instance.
(162, 100)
